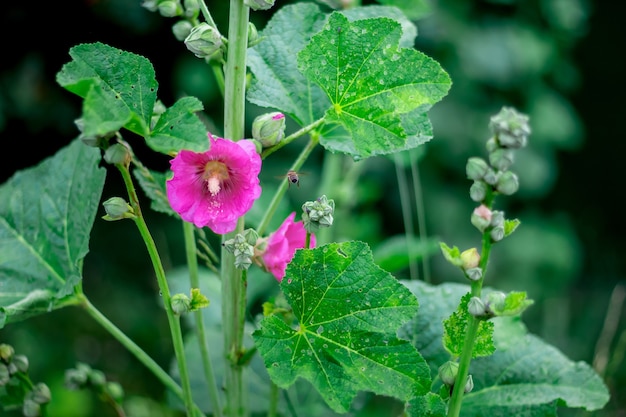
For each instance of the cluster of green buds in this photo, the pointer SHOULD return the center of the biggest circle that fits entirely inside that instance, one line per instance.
(14, 373)
(497, 304)
(173, 8)
(492, 221)
(318, 213)
(269, 129)
(242, 246)
(468, 260)
(85, 377)
(448, 372)
(510, 132)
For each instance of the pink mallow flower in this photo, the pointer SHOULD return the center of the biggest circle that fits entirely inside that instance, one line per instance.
(216, 187)
(282, 245)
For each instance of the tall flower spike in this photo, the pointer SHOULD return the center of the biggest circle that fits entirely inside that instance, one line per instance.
(282, 245)
(216, 187)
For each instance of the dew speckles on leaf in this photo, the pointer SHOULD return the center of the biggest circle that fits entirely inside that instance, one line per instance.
(275, 364)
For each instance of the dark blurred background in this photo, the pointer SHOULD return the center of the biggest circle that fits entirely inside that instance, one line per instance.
(559, 61)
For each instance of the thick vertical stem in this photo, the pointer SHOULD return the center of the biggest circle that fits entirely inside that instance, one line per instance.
(233, 288)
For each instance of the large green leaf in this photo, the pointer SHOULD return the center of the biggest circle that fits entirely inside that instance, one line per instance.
(524, 377)
(46, 216)
(348, 310)
(379, 91)
(279, 84)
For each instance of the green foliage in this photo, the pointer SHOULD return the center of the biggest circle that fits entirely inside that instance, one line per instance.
(455, 329)
(46, 216)
(347, 311)
(525, 376)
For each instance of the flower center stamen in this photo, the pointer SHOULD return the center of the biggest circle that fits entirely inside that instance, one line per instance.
(215, 173)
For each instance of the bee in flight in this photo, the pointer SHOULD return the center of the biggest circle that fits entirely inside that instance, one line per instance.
(293, 177)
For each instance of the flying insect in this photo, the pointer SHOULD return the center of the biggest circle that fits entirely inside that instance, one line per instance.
(293, 177)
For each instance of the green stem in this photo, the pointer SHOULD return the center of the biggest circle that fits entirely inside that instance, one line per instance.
(407, 214)
(192, 262)
(173, 319)
(132, 347)
(233, 288)
(304, 154)
(273, 407)
(421, 217)
(295, 135)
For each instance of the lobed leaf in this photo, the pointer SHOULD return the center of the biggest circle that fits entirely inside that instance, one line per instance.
(348, 310)
(46, 216)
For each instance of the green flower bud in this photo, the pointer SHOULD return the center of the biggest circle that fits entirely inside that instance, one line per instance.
(182, 29)
(491, 177)
(242, 246)
(192, 8)
(501, 159)
(30, 408)
(152, 5)
(494, 302)
(253, 35)
(116, 391)
(20, 362)
(497, 233)
(469, 385)
(180, 304)
(470, 258)
(97, 378)
(6, 352)
(41, 393)
(476, 168)
(507, 183)
(448, 372)
(474, 274)
(204, 40)
(478, 191)
(76, 378)
(117, 209)
(259, 4)
(5, 376)
(481, 218)
(497, 218)
(511, 128)
(318, 213)
(269, 128)
(492, 145)
(117, 154)
(170, 8)
(476, 307)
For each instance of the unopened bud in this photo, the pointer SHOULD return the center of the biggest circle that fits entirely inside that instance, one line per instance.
(117, 209)
(5, 375)
(476, 168)
(448, 372)
(204, 40)
(507, 183)
(253, 35)
(30, 408)
(259, 4)
(192, 8)
(470, 258)
(182, 29)
(20, 362)
(469, 385)
(491, 177)
(478, 191)
(476, 307)
(6, 352)
(474, 274)
(115, 390)
(481, 217)
(169, 8)
(497, 233)
(269, 128)
(41, 393)
(152, 5)
(117, 154)
(501, 159)
(318, 213)
(497, 218)
(494, 302)
(181, 304)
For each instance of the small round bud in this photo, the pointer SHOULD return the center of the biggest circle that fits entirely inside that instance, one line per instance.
(259, 4)
(77, 378)
(192, 8)
(497, 233)
(204, 40)
(269, 128)
(152, 5)
(30, 408)
(494, 302)
(117, 154)
(182, 29)
(476, 307)
(481, 217)
(170, 8)
(5, 376)
(6, 352)
(117, 209)
(97, 378)
(318, 213)
(115, 390)
(507, 183)
(491, 177)
(492, 145)
(501, 159)
(181, 304)
(478, 191)
(470, 258)
(474, 274)
(253, 35)
(469, 385)
(497, 218)
(511, 128)
(41, 393)
(20, 362)
(448, 372)
(476, 168)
